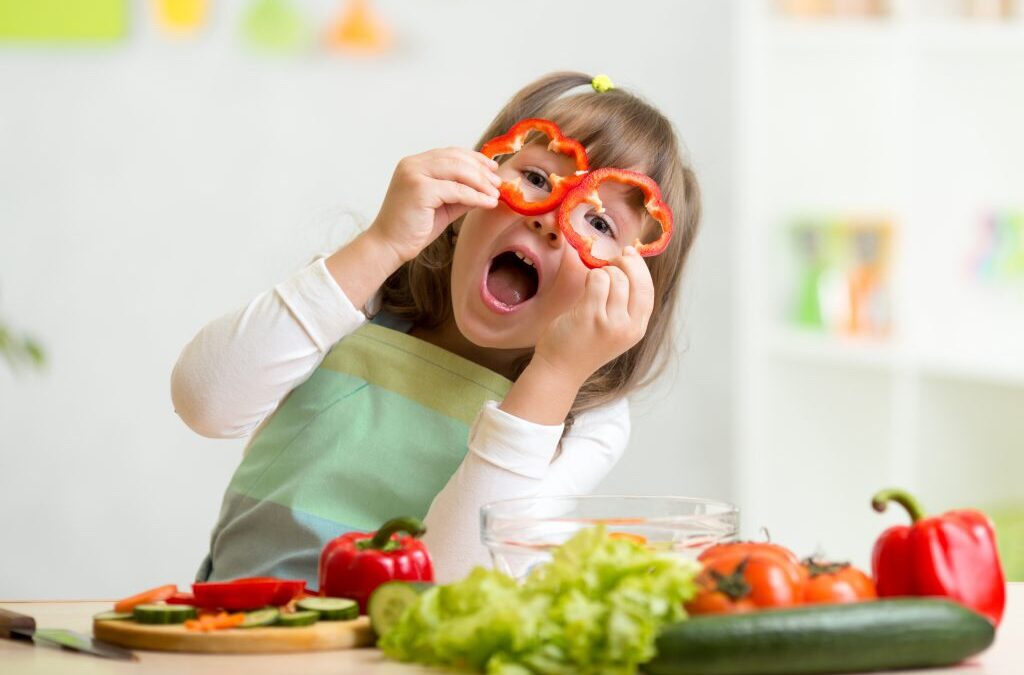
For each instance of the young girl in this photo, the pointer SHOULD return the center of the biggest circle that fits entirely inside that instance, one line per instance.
(476, 380)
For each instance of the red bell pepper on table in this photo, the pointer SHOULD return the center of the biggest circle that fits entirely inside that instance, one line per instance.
(355, 564)
(952, 555)
(512, 142)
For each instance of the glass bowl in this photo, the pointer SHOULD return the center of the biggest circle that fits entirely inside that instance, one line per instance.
(520, 533)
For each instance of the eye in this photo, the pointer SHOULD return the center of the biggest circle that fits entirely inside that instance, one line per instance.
(601, 224)
(537, 179)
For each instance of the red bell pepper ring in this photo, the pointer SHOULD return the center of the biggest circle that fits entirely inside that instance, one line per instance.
(246, 594)
(586, 192)
(355, 564)
(952, 555)
(512, 142)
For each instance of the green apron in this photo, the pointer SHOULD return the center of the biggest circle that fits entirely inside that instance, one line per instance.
(375, 432)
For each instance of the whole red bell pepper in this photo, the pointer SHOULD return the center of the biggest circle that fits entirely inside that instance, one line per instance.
(355, 564)
(952, 555)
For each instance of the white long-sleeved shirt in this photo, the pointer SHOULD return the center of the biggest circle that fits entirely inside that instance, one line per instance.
(232, 376)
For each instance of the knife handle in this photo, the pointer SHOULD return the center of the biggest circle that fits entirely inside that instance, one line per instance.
(13, 621)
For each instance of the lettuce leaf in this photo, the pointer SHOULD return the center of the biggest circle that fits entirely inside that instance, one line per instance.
(596, 607)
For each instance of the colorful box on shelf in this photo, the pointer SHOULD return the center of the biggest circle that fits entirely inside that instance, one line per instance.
(842, 275)
(1000, 258)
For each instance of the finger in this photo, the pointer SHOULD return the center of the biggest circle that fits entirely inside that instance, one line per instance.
(460, 168)
(641, 286)
(448, 192)
(483, 159)
(595, 295)
(488, 166)
(618, 294)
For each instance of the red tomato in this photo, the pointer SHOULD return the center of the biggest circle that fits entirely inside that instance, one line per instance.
(746, 576)
(836, 582)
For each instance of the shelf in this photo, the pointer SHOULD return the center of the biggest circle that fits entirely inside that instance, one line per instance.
(805, 345)
(998, 366)
(911, 37)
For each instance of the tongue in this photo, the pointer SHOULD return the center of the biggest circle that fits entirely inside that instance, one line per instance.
(508, 284)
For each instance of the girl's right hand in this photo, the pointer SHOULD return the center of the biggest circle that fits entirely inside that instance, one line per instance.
(430, 190)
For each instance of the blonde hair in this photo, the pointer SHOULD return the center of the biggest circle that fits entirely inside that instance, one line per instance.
(620, 130)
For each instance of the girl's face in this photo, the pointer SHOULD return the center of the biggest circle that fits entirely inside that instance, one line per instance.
(512, 275)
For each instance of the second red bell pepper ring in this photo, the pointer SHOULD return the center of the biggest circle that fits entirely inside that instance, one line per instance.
(952, 555)
(587, 192)
(512, 142)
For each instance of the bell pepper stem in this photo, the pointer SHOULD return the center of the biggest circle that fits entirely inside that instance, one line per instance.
(882, 498)
(412, 526)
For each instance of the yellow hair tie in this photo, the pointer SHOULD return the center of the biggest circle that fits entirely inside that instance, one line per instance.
(602, 83)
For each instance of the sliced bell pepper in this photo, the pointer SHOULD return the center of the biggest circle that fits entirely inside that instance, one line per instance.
(512, 142)
(952, 555)
(182, 599)
(586, 191)
(246, 594)
(355, 564)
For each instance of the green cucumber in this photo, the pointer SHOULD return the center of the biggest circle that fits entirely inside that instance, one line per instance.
(163, 613)
(295, 619)
(331, 609)
(261, 617)
(821, 639)
(389, 601)
(112, 616)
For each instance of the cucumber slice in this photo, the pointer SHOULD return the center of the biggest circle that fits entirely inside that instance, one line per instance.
(390, 600)
(261, 617)
(112, 616)
(331, 609)
(163, 613)
(294, 619)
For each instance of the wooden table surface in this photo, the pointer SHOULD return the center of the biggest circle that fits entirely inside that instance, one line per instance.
(1005, 657)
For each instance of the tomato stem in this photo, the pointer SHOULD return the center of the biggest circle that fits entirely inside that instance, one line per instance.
(733, 585)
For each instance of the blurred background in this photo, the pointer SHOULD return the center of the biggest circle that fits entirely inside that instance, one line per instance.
(854, 310)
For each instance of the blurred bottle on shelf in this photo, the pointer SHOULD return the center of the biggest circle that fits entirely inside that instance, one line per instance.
(843, 276)
(834, 8)
(275, 25)
(358, 30)
(1001, 255)
(988, 9)
(181, 16)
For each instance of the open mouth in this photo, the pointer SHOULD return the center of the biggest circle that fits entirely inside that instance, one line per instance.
(512, 279)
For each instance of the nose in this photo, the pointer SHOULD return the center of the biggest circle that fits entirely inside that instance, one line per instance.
(546, 227)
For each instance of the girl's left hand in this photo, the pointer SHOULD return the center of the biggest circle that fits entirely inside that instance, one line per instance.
(608, 320)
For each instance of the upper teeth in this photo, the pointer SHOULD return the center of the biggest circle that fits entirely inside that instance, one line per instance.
(524, 258)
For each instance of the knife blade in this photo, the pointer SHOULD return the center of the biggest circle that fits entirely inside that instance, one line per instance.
(14, 625)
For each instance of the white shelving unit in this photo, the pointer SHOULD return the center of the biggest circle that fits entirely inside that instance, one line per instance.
(917, 117)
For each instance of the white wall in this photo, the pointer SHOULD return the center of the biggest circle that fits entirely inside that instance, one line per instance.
(147, 187)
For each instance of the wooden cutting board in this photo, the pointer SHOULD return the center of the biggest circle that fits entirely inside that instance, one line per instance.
(322, 635)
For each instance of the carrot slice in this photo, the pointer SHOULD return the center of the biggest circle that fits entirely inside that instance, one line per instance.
(152, 595)
(208, 622)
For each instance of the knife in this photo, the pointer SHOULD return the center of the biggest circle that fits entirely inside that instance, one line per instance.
(20, 626)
